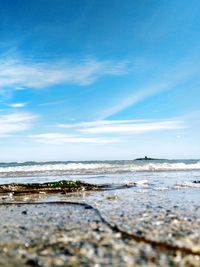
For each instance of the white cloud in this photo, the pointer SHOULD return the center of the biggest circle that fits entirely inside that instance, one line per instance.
(124, 126)
(95, 123)
(59, 138)
(164, 81)
(104, 131)
(17, 105)
(19, 74)
(134, 128)
(15, 122)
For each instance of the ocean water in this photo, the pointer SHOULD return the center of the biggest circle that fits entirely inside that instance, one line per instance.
(16, 169)
(159, 174)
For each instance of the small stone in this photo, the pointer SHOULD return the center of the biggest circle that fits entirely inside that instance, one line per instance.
(22, 227)
(139, 232)
(24, 212)
(33, 262)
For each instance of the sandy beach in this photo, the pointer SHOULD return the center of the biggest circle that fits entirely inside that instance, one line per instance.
(120, 227)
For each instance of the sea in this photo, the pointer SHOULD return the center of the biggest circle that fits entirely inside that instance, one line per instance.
(161, 174)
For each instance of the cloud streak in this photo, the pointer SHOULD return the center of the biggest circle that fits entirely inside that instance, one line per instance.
(104, 131)
(60, 138)
(20, 74)
(178, 74)
(134, 128)
(15, 122)
(124, 126)
(17, 105)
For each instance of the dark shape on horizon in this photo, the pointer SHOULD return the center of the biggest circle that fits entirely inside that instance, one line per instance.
(145, 158)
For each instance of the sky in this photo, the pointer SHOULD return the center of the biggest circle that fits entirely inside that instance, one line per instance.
(98, 79)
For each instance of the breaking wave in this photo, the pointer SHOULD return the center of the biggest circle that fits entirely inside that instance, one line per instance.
(52, 168)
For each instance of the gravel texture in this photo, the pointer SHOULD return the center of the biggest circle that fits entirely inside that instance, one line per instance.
(124, 227)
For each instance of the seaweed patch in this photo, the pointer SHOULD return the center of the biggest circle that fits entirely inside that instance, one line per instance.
(51, 187)
(62, 186)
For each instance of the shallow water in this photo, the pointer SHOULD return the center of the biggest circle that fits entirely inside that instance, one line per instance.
(31, 169)
(159, 177)
(175, 185)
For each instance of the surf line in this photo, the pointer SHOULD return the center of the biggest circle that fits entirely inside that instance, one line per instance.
(140, 239)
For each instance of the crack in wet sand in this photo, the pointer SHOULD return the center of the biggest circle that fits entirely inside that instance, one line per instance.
(125, 235)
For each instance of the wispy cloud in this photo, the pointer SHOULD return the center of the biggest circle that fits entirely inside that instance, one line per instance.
(124, 126)
(59, 138)
(15, 122)
(167, 80)
(17, 105)
(95, 123)
(105, 131)
(133, 127)
(21, 74)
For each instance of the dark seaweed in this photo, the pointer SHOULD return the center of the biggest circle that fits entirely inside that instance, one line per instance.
(52, 187)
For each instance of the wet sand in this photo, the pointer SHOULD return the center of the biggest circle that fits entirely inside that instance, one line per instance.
(125, 227)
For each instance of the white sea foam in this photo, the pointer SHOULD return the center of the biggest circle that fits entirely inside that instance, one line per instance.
(99, 167)
(142, 182)
(188, 184)
(161, 188)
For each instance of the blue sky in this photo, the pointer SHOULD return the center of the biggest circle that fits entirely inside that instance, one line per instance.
(87, 80)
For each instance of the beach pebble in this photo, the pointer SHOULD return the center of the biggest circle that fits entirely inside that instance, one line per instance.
(33, 262)
(24, 212)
